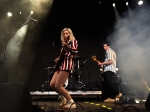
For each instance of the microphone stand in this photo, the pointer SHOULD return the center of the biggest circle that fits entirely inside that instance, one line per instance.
(83, 55)
(5, 42)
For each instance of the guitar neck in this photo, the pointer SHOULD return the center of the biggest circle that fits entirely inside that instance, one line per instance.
(96, 60)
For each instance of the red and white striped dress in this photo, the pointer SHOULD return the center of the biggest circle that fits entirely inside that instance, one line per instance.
(67, 62)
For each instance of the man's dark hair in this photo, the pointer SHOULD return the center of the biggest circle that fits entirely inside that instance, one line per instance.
(106, 42)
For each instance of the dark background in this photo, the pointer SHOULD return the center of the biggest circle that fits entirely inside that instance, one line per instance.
(90, 20)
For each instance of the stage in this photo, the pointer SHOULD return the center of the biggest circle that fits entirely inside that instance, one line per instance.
(79, 92)
(84, 103)
(72, 93)
(87, 101)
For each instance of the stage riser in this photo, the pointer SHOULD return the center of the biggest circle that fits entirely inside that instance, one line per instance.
(70, 92)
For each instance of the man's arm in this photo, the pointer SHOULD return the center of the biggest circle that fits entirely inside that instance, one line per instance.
(107, 62)
(110, 59)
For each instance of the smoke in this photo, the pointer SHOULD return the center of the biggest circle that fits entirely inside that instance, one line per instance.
(38, 6)
(131, 40)
(19, 53)
(15, 44)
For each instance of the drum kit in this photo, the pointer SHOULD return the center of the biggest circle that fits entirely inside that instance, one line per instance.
(74, 82)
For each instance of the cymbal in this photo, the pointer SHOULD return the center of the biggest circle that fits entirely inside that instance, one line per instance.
(79, 58)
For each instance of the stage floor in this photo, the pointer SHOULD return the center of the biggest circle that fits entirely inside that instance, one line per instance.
(86, 101)
(88, 105)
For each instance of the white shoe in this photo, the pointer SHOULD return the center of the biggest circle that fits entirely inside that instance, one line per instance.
(109, 100)
(117, 98)
(69, 104)
(119, 95)
(63, 100)
(106, 100)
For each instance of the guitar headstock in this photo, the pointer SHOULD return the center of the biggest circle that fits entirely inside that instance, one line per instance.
(94, 58)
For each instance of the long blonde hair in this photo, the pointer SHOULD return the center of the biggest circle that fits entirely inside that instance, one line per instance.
(71, 37)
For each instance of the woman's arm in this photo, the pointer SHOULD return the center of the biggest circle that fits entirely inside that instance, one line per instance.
(74, 46)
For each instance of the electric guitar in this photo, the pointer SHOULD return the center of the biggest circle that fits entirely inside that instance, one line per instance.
(101, 67)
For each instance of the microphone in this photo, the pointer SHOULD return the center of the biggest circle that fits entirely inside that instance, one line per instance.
(33, 20)
(69, 41)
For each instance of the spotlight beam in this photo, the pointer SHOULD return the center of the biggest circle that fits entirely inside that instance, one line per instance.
(12, 32)
(3, 37)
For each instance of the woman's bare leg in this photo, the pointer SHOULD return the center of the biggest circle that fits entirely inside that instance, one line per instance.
(62, 77)
(53, 86)
(53, 81)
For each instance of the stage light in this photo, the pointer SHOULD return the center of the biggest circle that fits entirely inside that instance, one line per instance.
(113, 4)
(9, 14)
(31, 12)
(127, 3)
(140, 2)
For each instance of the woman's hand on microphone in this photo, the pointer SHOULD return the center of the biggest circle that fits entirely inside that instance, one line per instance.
(64, 43)
(66, 46)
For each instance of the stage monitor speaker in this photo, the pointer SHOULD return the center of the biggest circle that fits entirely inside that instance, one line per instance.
(147, 103)
(15, 98)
